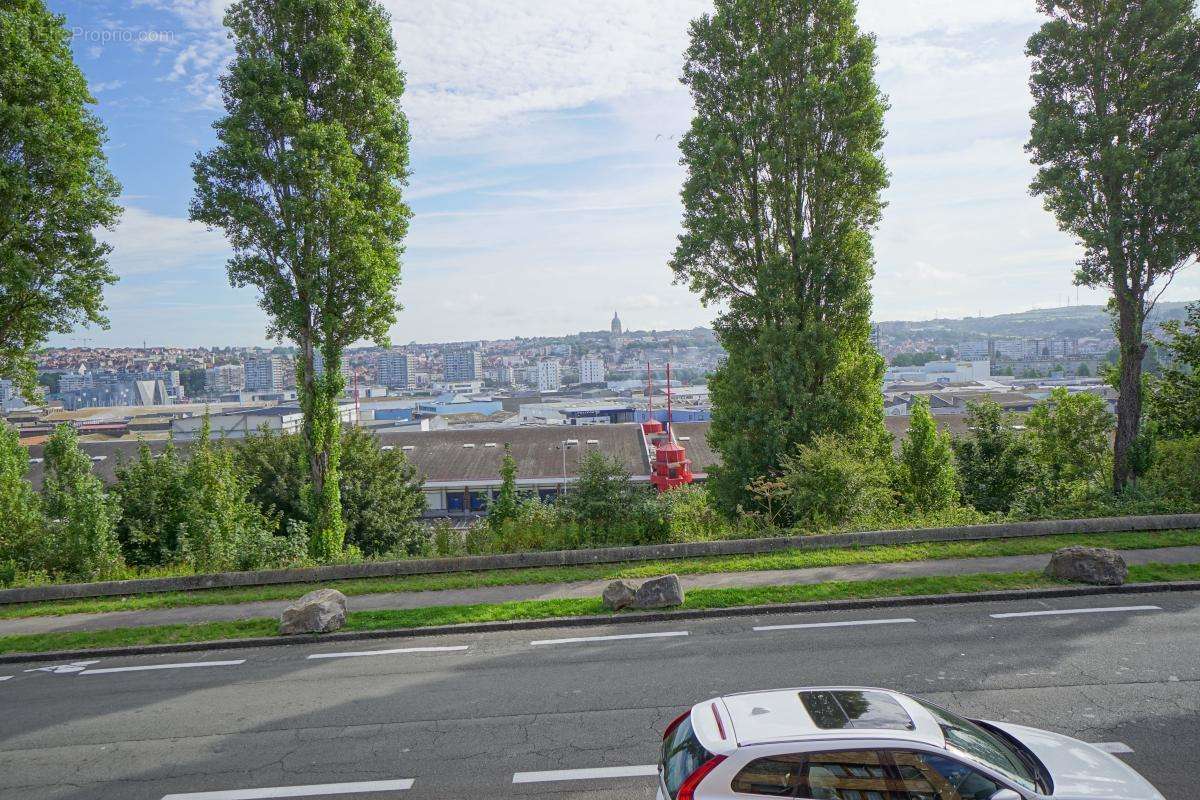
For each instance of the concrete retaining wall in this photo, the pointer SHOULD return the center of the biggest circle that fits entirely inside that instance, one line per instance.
(605, 555)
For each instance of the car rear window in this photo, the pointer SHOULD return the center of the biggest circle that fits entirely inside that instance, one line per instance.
(682, 754)
(841, 708)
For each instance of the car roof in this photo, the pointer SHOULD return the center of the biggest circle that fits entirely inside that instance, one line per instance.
(786, 715)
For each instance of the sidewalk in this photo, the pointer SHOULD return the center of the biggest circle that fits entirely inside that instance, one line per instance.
(550, 591)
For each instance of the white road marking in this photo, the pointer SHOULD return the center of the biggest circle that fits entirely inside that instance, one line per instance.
(594, 774)
(846, 624)
(1057, 611)
(5, 677)
(64, 669)
(1113, 747)
(109, 670)
(390, 652)
(609, 638)
(316, 790)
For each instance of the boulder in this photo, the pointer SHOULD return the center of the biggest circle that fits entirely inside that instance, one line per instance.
(659, 593)
(321, 611)
(1097, 565)
(617, 595)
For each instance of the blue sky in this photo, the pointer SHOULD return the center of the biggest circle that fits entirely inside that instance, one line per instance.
(545, 176)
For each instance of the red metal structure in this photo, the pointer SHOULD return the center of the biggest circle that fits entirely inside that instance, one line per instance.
(671, 467)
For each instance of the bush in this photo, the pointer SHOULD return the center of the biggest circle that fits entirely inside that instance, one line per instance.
(152, 495)
(833, 480)
(1070, 436)
(607, 509)
(81, 539)
(690, 515)
(1174, 475)
(925, 475)
(223, 528)
(994, 463)
(382, 500)
(22, 526)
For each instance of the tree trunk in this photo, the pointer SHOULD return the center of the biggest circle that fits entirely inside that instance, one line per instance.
(322, 440)
(1129, 398)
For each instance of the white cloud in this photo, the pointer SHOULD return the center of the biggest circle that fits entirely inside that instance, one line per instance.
(144, 243)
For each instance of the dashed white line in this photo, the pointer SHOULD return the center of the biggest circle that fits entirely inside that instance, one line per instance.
(846, 624)
(109, 670)
(610, 638)
(396, 651)
(1058, 611)
(316, 790)
(1113, 747)
(596, 773)
(5, 677)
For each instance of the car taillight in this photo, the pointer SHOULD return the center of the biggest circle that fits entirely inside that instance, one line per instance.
(687, 789)
(675, 723)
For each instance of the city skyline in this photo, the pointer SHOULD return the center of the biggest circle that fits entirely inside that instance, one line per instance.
(541, 193)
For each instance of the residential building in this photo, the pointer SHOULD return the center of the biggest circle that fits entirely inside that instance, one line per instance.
(591, 369)
(269, 374)
(225, 378)
(463, 365)
(396, 370)
(977, 350)
(549, 375)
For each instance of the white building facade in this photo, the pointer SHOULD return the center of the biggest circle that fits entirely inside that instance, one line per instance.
(225, 378)
(396, 370)
(591, 369)
(549, 375)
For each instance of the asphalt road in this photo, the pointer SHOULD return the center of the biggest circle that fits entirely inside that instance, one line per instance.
(466, 723)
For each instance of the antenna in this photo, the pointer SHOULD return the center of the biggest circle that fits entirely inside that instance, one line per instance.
(670, 435)
(650, 390)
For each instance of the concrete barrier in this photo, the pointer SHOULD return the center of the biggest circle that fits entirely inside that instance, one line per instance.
(603, 555)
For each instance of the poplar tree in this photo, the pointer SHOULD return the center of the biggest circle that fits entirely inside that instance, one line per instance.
(783, 191)
(1116, 138)
(55, 190)
(306, 183)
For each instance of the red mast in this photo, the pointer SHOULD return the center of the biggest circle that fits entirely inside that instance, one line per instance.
(671, 466)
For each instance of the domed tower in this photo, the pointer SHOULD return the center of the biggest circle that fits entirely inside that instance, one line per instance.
(616, 325)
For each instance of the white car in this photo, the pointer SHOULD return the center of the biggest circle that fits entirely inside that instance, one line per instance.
(853, 743)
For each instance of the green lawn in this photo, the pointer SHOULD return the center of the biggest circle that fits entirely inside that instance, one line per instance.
(543, 609)
(788, 559)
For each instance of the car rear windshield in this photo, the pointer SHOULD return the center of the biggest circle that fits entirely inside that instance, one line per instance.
(984, 746)
(682, 754)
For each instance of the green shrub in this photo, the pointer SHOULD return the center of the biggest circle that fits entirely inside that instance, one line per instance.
(1174, 475)
(22, 526)
(1070, 435)
(995, 462)
(152, 494)
(381, 495)
(223, 528)
(925, 477)
(690, 515)
(81, 538)
(834, 480)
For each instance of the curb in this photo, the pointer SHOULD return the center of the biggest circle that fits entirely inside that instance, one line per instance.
(616, 619)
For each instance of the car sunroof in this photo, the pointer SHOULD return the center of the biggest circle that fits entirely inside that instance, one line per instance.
(844, 708)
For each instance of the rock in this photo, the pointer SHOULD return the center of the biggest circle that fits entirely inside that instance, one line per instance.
(1088, 565)
(659, 593)
(617, 595)
(321, 611)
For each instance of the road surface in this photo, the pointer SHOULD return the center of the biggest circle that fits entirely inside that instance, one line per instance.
(524, 713)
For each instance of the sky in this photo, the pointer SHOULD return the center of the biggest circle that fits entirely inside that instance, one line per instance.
(545, 185)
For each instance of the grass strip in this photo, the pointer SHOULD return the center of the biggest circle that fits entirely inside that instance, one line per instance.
(786, 559)
(544, 609)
